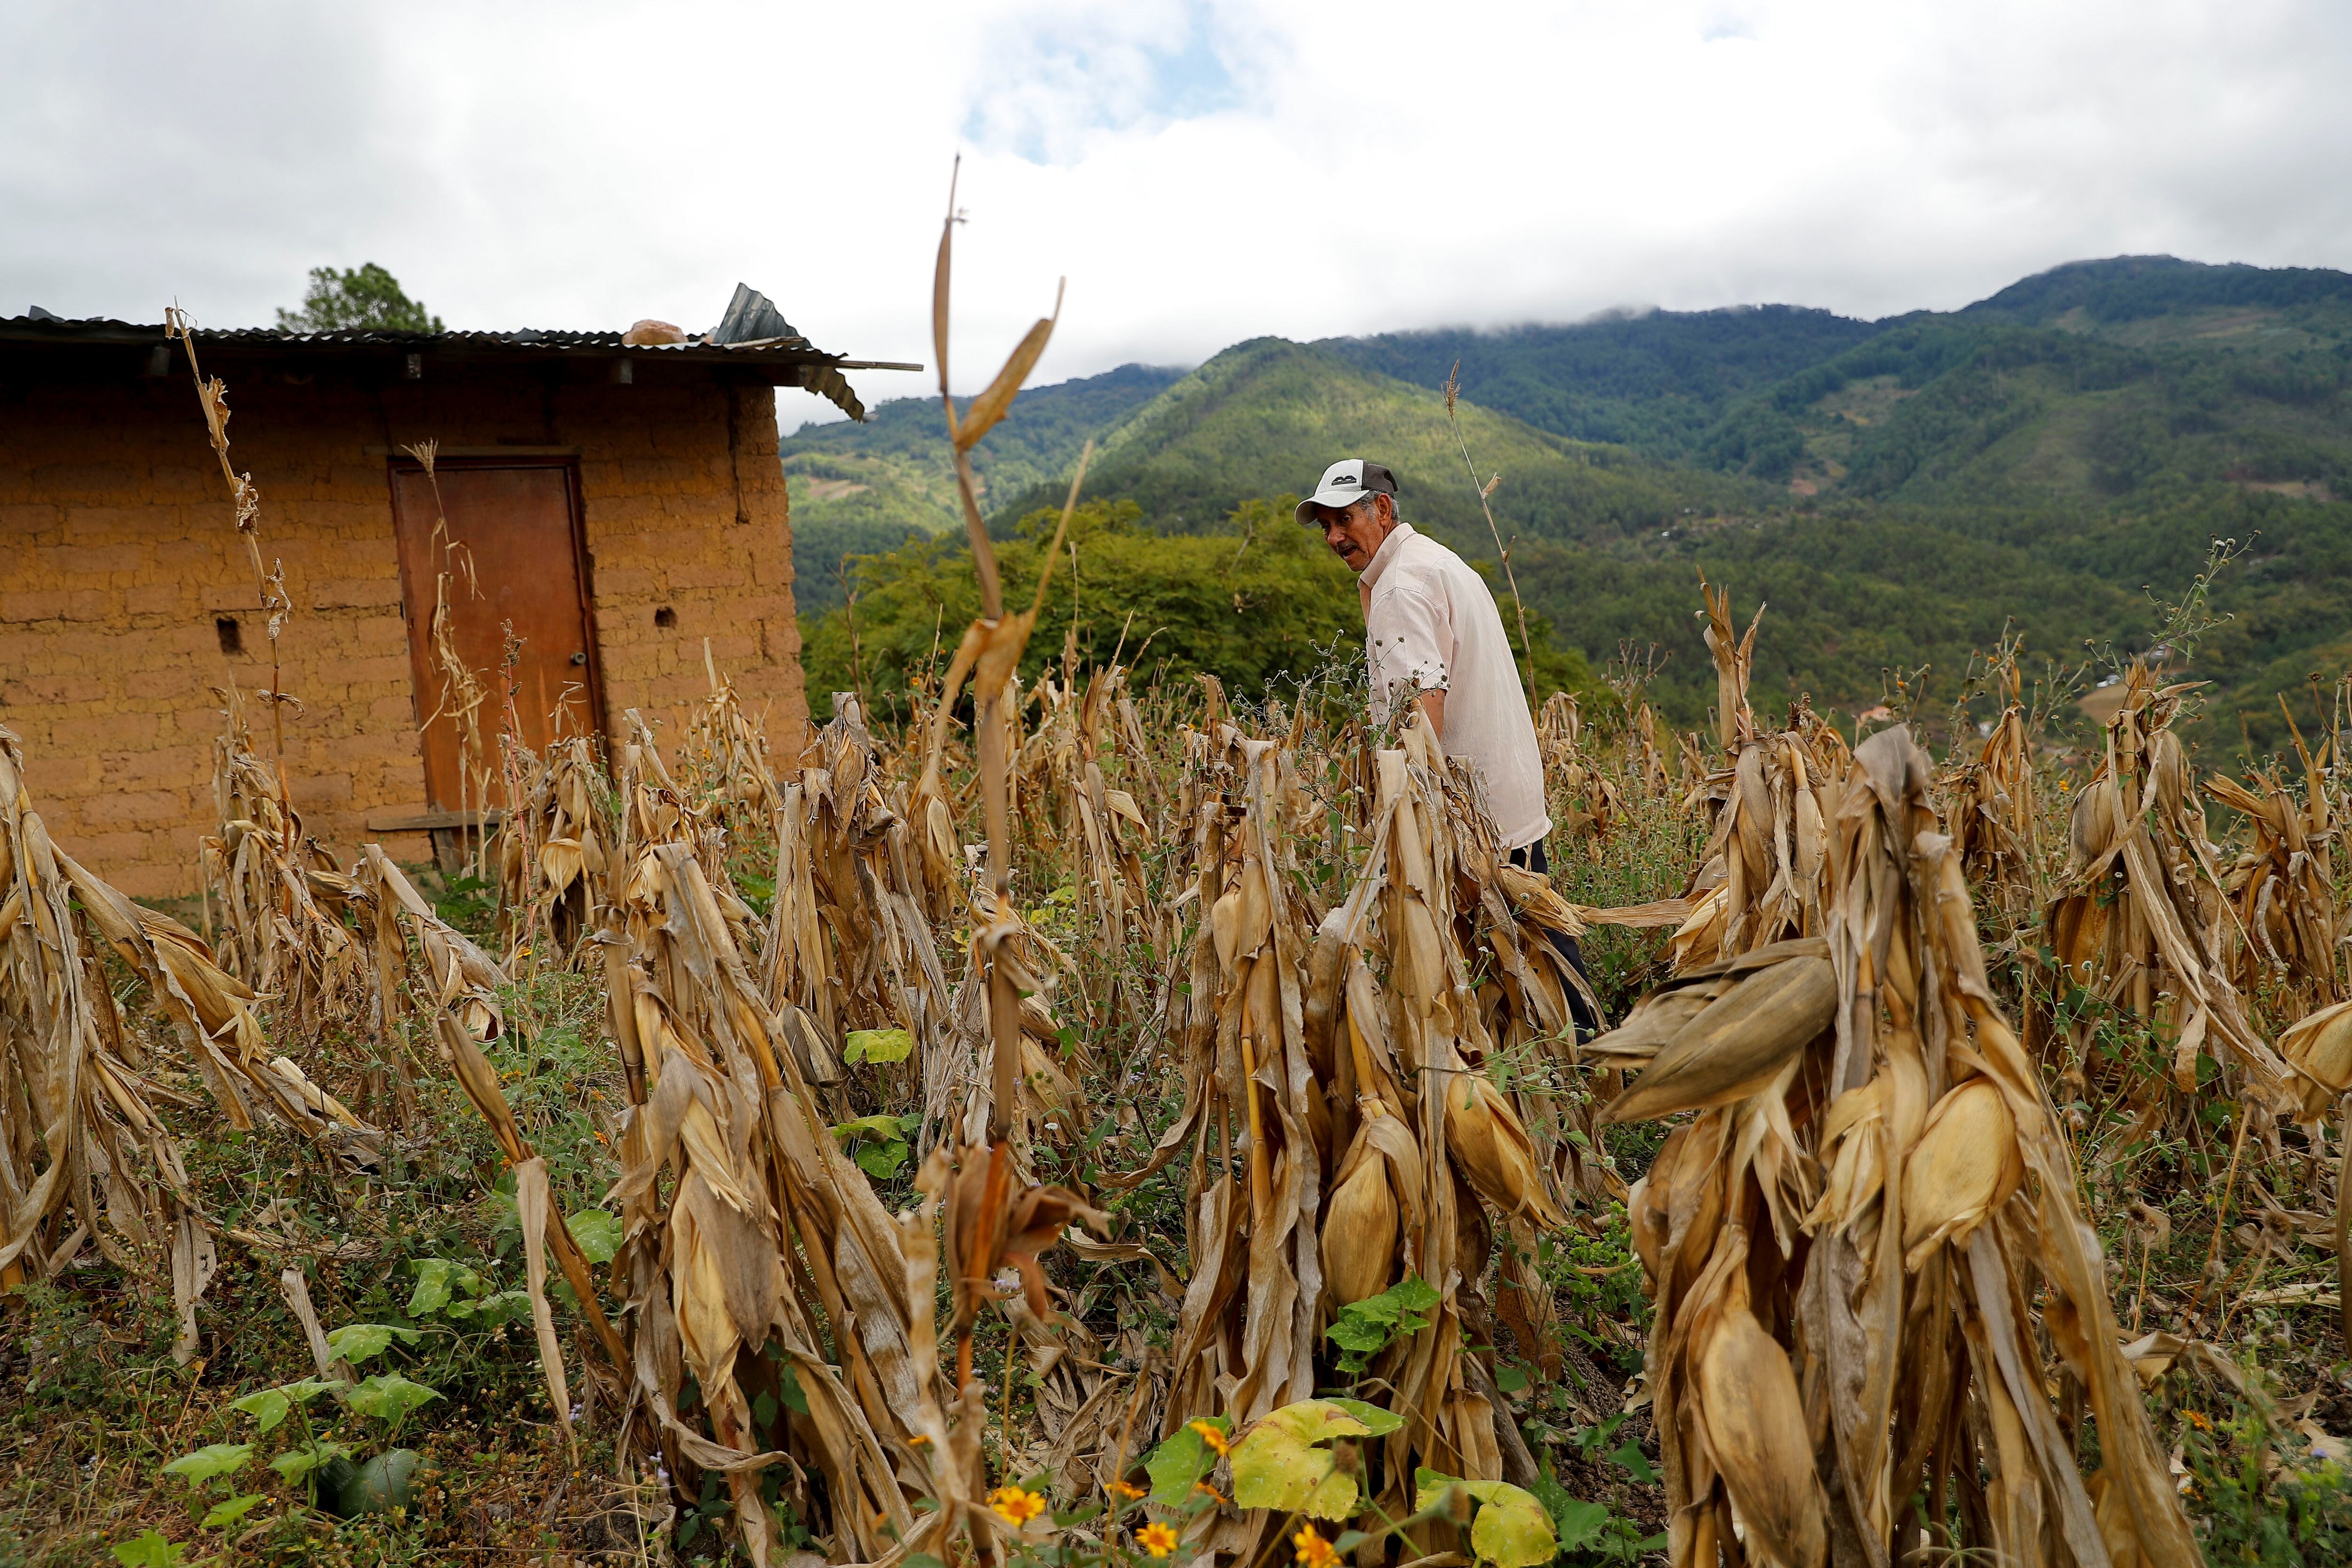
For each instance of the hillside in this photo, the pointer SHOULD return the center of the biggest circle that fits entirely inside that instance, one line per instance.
(2053, 459)
(1269, 416)
(1656, 381)
(856, 487)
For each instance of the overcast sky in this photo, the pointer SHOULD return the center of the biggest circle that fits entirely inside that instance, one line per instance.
(1201, 170)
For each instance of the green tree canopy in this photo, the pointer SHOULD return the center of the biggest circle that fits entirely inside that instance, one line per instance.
(358, 299)
(1256, 601)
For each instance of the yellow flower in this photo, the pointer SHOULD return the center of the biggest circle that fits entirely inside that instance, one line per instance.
(1213, 1493)
(1015, 1506)
(1314, 1552)
(1156, 1539)
(2198, 1421)
(1132, 1494)
(1215, 1439)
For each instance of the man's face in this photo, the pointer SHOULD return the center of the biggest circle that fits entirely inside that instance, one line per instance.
(1355, 532)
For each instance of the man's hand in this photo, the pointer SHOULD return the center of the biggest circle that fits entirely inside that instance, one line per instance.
(1434, 704)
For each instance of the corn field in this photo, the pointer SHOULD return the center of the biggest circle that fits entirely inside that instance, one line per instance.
(1117, 1123)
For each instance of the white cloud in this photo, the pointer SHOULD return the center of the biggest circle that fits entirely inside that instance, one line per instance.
(1202, 172)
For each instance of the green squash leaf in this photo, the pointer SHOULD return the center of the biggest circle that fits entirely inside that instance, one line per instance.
(877, 1126)
(436, 1278)
(295, 1464)
(598, 1233)
(270, 1406)
(880, 1046)
(1177, 1466)
(1629, 1457)
(224, 1514)
(149, 1550)
(388, 1396)
(1377, 1423)
(1279, 1463)
(356, 1342)
(431, 1292)
(1512, 1529)
(1366, 1328)
(212, 1459)
(880, 1161)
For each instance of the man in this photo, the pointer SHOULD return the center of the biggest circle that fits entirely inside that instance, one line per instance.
(1433, 636)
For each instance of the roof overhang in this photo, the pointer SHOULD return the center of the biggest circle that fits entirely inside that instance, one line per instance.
(100, 348)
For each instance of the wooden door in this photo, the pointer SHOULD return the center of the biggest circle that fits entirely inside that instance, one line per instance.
(513, 561)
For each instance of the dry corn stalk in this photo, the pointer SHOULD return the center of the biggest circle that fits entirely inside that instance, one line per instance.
(554, 850)
(2139, 918)
(1590, 800)
(726, 754)
(268, 583)
(847, 945)
(78, 1128)
(1760, 879)
(1995, 816)
(2282, 888)
(462, 695)
(1415, 1051)
(280, 896)
(1735, 663)
(712, 1278)
(1847, 1245)
(1343, 1132)
(78, 1131)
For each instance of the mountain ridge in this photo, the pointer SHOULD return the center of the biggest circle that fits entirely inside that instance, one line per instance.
(2072, 436)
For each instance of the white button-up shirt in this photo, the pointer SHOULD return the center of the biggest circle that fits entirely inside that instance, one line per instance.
(1431, 624)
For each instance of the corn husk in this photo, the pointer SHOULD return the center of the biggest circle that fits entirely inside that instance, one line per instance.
(1740, 1041)
(1964, 1166)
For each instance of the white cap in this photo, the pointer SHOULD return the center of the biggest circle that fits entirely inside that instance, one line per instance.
(1345, 483)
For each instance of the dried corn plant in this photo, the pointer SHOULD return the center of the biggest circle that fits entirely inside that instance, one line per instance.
(1588, 800)
(1343, 1128)
(1102, 830)
(1761, 881)
(1245, 1338)
(2290, 922)
(731, 1114)
(847, 946)
(462, 695)
(725, 756)
(79, 1135)
(715, 1284)
(2139, 917)
(79, 1128)
(1872, 1282)
(269, 582)
(959, 1087)
(279, 897)
(555, 849)
(1415, 1101)
(1994, 809)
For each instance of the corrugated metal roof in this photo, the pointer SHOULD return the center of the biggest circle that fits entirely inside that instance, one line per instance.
(819, 371)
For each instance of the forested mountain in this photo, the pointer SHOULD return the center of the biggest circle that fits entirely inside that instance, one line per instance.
(1656, 381)
(2052, 459)
(856, 489)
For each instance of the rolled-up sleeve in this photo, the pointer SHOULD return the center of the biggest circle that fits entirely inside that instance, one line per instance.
(1409, 639)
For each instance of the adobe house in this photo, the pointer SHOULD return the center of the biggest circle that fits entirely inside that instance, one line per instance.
(621, 503)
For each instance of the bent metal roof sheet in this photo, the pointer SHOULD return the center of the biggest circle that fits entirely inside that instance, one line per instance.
(780, 362)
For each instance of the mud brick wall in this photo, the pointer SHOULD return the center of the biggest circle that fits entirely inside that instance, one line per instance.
(118, 557)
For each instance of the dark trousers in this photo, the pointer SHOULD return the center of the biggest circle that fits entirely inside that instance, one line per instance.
(1531, 858)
